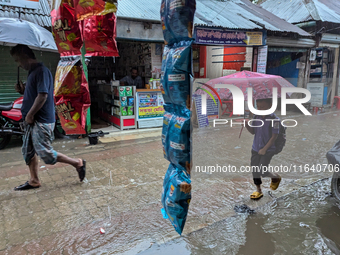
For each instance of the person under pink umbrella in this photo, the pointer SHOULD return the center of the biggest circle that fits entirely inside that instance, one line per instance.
(263, 148)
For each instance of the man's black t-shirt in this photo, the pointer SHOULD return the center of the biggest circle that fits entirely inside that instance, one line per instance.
(39, 80)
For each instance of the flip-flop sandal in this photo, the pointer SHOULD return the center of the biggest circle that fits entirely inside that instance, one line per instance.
(275, 185)
(82, 171)
(25, 186)
(256, 195)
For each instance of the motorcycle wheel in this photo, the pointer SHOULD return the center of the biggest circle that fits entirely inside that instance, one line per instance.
(335, 185)
(4, 139)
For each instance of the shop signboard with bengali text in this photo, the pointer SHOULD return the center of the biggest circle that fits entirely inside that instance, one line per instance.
(30, 4)
(150, 105)
(213, 36)
(151, 112)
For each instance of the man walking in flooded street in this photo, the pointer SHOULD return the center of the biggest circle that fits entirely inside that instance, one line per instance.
(38, 113)
(263, 148)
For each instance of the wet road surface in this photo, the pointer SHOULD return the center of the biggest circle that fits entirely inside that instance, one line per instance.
(123, 189)
(304, 222)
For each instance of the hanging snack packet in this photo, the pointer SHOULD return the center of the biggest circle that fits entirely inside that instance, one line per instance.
(88, 8)
(99, 33)
(177, 18)
(179, 139)
(65, 29)
(176, 196)
(68, 78)
(165, 65)
(71, 95)
(170, 172)
(72, 114)
(176, 81)
(167, 118)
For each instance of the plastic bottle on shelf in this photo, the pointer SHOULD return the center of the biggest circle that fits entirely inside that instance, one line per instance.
(151, 83)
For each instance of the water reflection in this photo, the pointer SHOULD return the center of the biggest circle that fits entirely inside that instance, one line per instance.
(304, 222)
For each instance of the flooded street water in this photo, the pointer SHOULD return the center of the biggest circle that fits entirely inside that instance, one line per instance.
(304, 222)
(123, 190)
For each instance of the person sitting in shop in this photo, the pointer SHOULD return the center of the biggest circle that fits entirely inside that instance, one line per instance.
(132, 80)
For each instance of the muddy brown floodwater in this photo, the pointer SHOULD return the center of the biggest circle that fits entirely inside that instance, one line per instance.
(304, 222)
(123, 189)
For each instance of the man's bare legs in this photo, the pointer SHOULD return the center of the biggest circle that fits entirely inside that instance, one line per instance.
(33, 166)
(76, 163)
(61, 158)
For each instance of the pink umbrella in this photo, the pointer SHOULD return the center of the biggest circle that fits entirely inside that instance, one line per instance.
(262, 84)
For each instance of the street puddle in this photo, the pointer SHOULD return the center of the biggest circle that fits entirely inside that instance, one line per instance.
(304, 222)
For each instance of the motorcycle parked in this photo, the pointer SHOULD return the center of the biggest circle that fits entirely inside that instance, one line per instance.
(333, 157)
(335, 185)
(11, 123)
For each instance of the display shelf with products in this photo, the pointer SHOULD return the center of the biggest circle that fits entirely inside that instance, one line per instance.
(319, 66)
(134, 55)
(119, 106)
(123, 105)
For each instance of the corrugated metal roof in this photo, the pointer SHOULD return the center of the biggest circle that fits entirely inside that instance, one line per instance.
(245, 16)
(297, 11)
(140, 9)
(39, 16)
(233, 14)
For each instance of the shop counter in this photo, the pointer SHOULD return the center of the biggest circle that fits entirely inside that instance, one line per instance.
(149, 108)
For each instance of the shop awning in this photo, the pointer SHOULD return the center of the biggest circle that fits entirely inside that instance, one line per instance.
(330, 38)
(297, 43)
(139, 31)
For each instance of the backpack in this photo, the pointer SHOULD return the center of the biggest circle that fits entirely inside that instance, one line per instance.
(280, 142)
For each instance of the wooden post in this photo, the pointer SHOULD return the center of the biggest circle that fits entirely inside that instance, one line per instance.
(194, 120)
(307, 70)
(335, 75)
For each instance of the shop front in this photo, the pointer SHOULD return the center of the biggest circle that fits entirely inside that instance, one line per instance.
(125, 90)
(220, 52)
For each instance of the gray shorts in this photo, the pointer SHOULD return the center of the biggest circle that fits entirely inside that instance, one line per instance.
(38, 140)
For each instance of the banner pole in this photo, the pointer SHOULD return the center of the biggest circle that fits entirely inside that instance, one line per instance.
(88, 116)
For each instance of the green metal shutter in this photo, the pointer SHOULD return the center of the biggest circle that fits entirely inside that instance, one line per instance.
(8, 71)
(8, 76)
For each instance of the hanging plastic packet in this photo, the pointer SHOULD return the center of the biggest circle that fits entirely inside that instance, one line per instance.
(165, 63)
(65, 29)
(176, 196)
(72, 114)
(68, 79)
(177, 76)
(170, 172)
(71, 95)
(88, 8)
(179, 139)
(177, 18)
(99, 33)
(167, 118)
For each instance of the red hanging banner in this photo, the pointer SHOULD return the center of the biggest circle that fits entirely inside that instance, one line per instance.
(88, 8)
(72, 96)
(99, 33)
(65, 29)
